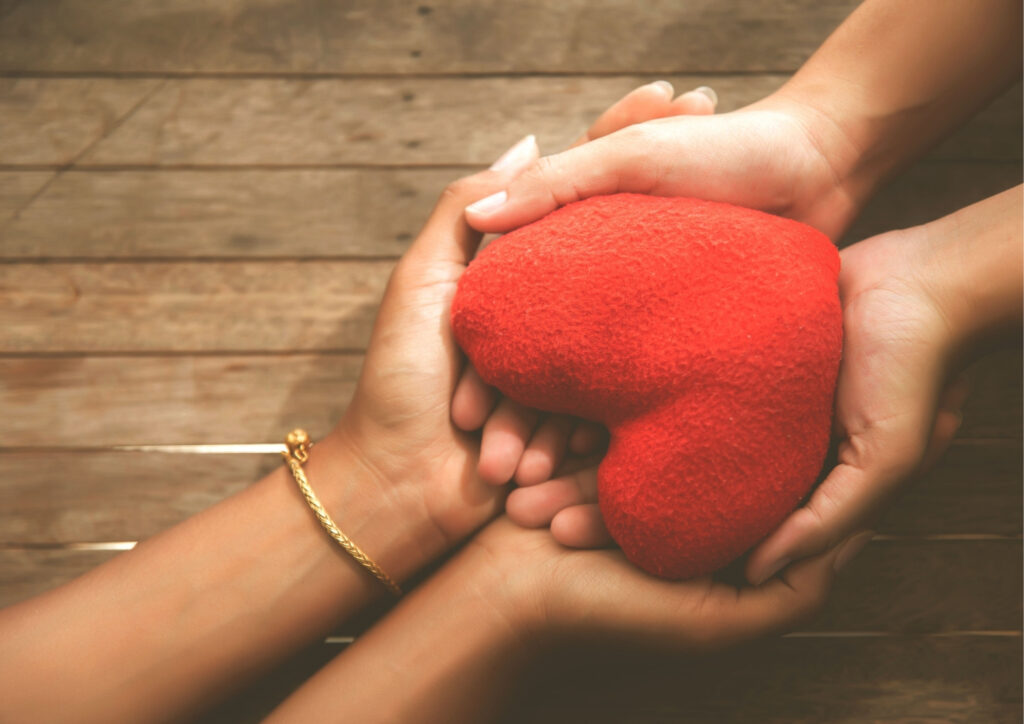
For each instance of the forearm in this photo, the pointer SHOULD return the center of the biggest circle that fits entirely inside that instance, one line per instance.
(443, 655)
(899, 75)
(973, 264)
(161, 629)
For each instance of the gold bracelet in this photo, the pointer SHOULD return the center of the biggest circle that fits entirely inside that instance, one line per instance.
(296, 452)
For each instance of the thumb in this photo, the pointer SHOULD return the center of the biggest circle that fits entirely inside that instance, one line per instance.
(446, 236)
(615, 163)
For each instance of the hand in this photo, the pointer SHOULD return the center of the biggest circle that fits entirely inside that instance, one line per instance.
(541, 588)
(778, 155)
(918, 304)
(897, 399)
(525, 444)
(399, 421)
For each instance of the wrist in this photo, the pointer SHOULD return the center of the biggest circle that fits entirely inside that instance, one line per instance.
(832, 188)
(970, 264)
(509, 566)
(388, 522)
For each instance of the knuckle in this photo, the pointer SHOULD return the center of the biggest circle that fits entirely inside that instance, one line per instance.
(461, 189)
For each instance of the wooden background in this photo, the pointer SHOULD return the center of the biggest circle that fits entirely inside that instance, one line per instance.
(200, 202)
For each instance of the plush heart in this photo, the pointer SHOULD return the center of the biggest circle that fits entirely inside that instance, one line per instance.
(705, 336)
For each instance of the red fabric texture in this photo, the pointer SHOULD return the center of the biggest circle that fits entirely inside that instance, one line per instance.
(705, 336)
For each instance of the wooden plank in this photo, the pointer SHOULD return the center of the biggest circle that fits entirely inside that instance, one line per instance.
(787, 681)
(222, 306)
(102, 401)
(928, 191)
(53, 497)
(65, 496)
(243, 213)
(993, 408)
(975, 488)
(372, 121)
(53, 121)
(896, 587)
(330, 212)
(172, 400)
(17, 190)
(406, 36)
(927, 586)
(211, 121)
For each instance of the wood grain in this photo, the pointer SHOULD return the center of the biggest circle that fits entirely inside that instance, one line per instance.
(787, 681)
(903, 587)
(928, 191)
(402, 36)
(53, 121)
(179, 306)
(365, 121)
(98, 401)
(779, 681)
(242, 213)
(102, 401)
(329, 212)
(67, 496)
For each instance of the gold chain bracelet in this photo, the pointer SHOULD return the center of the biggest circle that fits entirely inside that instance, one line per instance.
(296, 452)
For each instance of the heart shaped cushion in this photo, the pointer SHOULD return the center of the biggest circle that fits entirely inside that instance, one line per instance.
(705, 336)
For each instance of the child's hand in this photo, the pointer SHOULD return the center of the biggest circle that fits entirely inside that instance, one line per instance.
(525, 444)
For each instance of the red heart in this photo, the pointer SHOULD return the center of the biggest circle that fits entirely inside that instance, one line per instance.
(705, 336)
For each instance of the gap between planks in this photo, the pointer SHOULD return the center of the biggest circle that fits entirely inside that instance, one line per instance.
(127, 545)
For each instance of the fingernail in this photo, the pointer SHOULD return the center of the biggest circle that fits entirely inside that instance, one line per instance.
(518, 157)
(774, 568)
(666, 87)
(710, 93)
(853, 545)
(489, 203)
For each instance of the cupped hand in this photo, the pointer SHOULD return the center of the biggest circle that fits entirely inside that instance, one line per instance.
(399, 421)
(523, 444)
(542, 588)
(898, 399)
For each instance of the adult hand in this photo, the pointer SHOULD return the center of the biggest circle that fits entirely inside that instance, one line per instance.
(778, 155)
(898, 398)
(525, 444)
(543, 588)
(399, 421)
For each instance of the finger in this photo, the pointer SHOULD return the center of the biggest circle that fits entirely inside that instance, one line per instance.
(647, 103)
(650, 101)
(948, 419)
(581, 526)
(545, 451)
(536, 506)
(587, 438)
(504, 438)
(473, 400)
(844, 502)
(729, 615)
(446, 235)
(620, 162)
(698, 102)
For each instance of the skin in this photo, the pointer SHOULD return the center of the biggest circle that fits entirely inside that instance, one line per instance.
(453, 645)
(163, 629)
(877, 94)
(196, 611)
